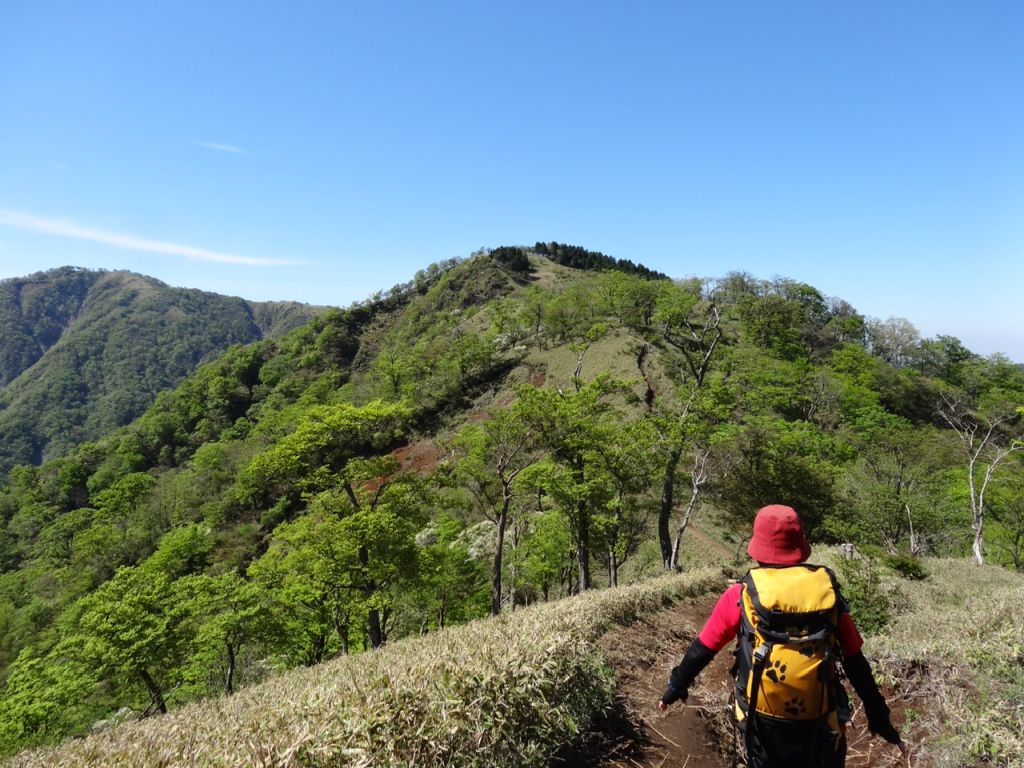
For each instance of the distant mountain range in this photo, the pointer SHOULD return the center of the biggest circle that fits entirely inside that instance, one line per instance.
(83, 352)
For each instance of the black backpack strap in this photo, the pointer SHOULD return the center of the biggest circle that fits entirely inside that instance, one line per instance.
(760, 656)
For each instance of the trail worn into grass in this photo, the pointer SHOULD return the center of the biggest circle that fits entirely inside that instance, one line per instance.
(688, 735)
(698, 734)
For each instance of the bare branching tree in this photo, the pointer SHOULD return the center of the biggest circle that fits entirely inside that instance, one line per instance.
(987, 442)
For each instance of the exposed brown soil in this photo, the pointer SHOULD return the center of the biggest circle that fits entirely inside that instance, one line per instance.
(689, 734)
(698, 734)
(421, 456)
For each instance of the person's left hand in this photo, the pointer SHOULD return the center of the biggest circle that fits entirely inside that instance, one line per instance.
(671, 695)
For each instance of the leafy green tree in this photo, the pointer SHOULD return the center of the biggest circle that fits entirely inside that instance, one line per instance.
(567, 426)
(54, 544)
(545, 553)
(131, 629)
(228, 614)
(493, 454)
(397, 374)
(44, 698)
(452, 585)
(1007, 512)
(381, 518)
(779, 462)
(306, 572)
(630, 300)
(943, 357)
(182, 551)
(308, 460)
(337, 564)
(692, 326)
(773, 323)
(896, 486)
(624, 461)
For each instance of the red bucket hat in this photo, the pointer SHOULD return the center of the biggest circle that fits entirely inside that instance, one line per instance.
(778, 537)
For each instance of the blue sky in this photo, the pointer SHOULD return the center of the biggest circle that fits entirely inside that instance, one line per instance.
(321, 151)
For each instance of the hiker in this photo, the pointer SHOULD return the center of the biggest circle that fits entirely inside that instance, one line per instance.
(792, 624)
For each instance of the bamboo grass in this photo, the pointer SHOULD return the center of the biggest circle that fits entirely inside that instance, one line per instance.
(508, 691)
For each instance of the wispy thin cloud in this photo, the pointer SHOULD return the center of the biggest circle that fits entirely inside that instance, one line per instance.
(62, 228)
(220, 147)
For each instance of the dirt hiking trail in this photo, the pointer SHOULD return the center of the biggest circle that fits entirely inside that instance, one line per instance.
(697, 734)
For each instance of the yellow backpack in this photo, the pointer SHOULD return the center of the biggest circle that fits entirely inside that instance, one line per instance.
(788, 646)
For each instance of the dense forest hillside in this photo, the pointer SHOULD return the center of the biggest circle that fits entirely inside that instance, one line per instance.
(501, 430)
(83, 352)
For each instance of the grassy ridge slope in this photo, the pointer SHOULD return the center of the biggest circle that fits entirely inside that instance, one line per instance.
(957, 648)
(950, 653)
(508, 691)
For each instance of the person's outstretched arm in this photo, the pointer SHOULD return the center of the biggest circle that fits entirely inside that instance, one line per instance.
(718, 631)
(859, 672)
(697, 657)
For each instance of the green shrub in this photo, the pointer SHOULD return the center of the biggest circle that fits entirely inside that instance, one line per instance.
(871, 605)
(907, 566)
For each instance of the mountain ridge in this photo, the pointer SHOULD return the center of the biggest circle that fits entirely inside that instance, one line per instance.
(84, 351)
(499, 431)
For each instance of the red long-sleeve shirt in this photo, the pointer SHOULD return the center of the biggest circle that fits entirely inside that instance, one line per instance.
(724, 622)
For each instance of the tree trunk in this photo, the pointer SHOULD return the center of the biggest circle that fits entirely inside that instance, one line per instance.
(511, 582)
(583, 546)
(229, 679)
(341, 627)
(916, 547)
(613, 568)
(373, 625)
(697, 478)
(315, 654)
(369, 590)
(676, 546)
(665, 510)
(155, 694)
(691, 507)
(978, 548)
(499, 552)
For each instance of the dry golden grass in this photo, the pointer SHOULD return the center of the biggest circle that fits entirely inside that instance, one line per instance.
(498, 692)
(953, 660)
(958, 653)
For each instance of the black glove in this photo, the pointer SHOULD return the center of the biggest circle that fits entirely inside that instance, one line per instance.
(672, 695)
(880, 724)
(859, 672)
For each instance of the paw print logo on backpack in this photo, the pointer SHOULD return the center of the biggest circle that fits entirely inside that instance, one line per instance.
(795, 707)
(776, 672)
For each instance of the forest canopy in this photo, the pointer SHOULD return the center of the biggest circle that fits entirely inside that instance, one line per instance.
(505, 429)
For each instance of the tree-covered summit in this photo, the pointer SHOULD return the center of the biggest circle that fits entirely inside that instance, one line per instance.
(573, 256)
